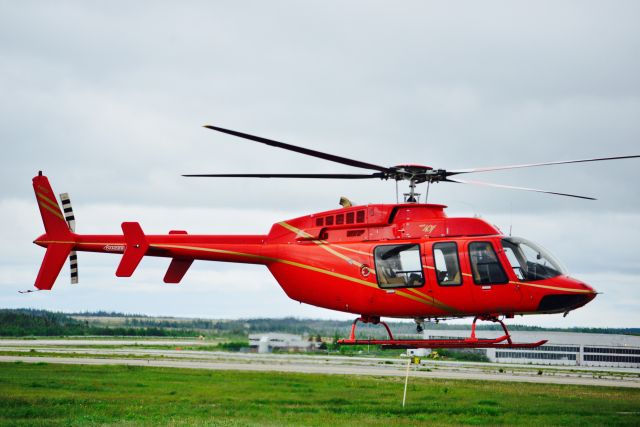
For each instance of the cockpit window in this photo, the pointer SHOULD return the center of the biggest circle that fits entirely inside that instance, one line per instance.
(529, 261)
(399, 266)
(485, 265)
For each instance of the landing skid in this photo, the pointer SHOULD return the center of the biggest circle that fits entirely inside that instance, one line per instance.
(503, 341)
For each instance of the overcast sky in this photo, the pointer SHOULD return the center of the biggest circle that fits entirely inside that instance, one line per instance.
(108, 99)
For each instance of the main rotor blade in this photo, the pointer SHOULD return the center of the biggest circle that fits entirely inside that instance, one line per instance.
(308, 152)
(510, 187)
(496, 168)
(291, 175)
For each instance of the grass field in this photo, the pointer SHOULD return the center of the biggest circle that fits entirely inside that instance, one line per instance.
(49, 394)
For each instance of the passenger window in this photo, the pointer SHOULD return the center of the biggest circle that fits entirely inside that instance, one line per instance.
(486, 268)
(447, 264)
(399, 266)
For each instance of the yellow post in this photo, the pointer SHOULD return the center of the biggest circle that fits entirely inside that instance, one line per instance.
(406, 381)
(415, 360)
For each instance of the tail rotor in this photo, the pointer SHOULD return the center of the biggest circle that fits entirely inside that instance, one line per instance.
(71, 220)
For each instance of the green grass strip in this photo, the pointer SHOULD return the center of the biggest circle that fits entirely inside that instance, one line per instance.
(49, 394)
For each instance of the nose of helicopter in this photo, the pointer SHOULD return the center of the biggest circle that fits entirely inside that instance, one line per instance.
(573, 294)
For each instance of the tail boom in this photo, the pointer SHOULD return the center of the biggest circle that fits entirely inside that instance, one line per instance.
(60, 241)
(183, 249)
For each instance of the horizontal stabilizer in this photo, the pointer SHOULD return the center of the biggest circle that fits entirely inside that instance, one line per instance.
(54, 259)
(137, 246)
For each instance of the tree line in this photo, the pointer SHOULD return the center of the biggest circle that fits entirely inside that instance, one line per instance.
(26, 322)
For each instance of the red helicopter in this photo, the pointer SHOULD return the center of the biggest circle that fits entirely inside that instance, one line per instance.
(403, 260)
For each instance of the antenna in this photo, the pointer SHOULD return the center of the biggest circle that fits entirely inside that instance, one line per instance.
(510, 217)
(397, 200)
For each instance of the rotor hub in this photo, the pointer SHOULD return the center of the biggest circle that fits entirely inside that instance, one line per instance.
(416, 173)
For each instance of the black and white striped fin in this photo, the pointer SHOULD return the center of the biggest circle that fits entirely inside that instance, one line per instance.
(73, 264)
(71, 221)
(68, 211)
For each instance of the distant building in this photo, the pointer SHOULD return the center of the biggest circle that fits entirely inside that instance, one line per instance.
(266, 342)
(562, 348)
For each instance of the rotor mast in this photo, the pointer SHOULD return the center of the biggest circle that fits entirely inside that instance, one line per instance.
(412, 196)
(415, 174)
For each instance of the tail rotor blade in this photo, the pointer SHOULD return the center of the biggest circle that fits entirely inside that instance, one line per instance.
(73, 264)
(71, 220)
(510, 187)
(68, 211)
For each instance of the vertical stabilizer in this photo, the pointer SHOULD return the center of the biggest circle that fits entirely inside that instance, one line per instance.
(54, 223)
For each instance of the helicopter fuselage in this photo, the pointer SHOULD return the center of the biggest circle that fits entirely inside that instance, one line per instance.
(393, 260)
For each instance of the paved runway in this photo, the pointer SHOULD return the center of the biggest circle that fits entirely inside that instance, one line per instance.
(316, 364)
(101, 341)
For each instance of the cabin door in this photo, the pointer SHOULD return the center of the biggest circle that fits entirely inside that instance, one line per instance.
(493, 292)
(446, 281)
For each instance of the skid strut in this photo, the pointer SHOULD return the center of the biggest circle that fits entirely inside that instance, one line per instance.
(503, 341)
(365, 319)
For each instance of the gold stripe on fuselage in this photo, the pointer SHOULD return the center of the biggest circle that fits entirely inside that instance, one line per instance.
(327, 246)
(537, 285)
(306, 267)
(432, 300)
(555, 288)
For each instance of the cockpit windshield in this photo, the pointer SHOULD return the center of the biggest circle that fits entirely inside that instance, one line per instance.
(529, 261)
